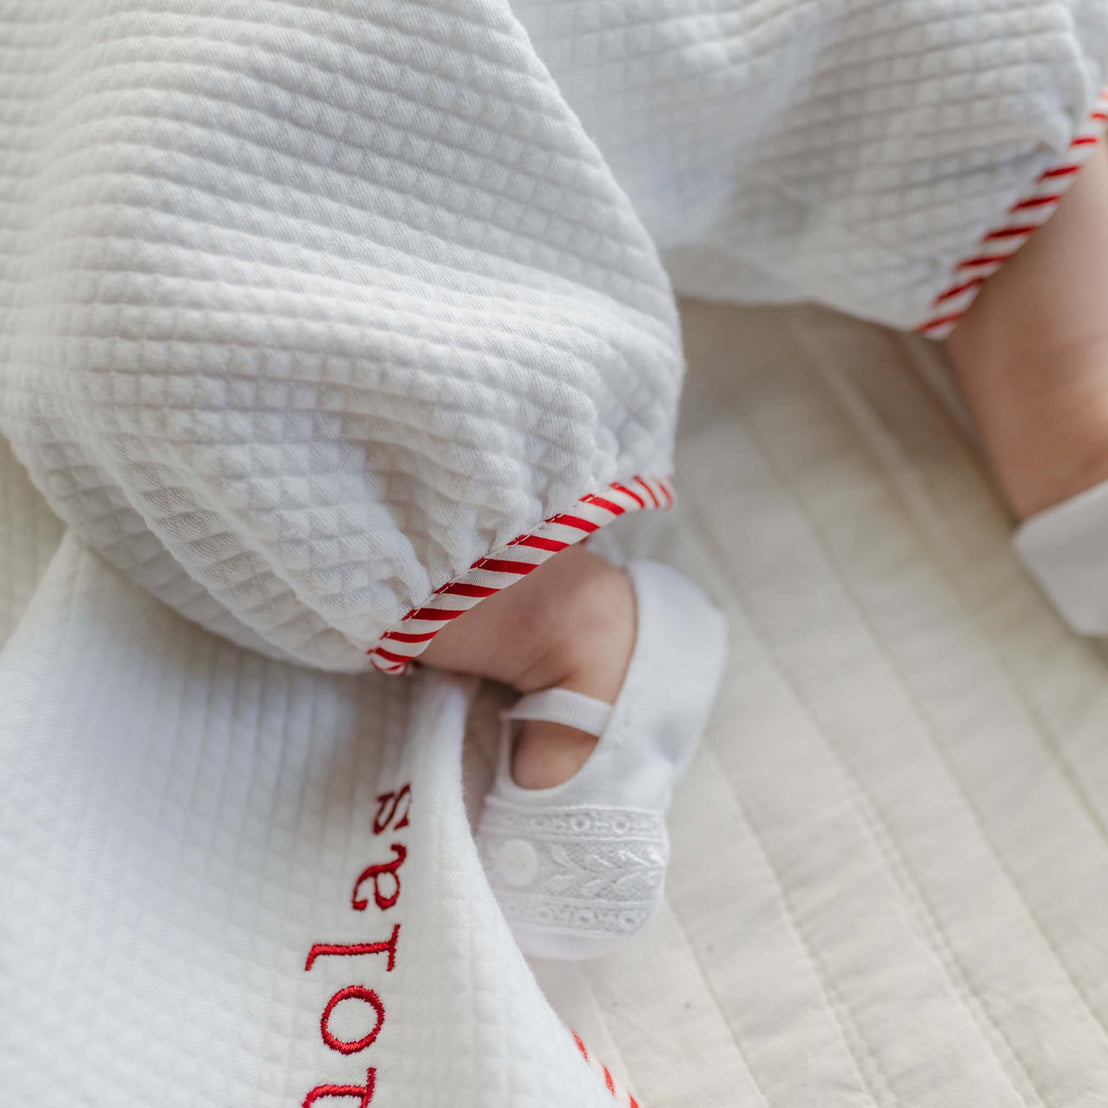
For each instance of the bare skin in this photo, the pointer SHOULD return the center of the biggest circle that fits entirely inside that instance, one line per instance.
(571, 624)
(1031, 356)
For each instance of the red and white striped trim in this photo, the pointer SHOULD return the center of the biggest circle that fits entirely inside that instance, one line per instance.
(1019, 224)
(622, 1096)
(397, 648)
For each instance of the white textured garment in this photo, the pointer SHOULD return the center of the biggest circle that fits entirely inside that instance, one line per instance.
(889, 883)
(847, 151)
(305, 307)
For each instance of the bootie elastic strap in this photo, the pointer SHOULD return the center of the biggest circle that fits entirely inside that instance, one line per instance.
(571, 709)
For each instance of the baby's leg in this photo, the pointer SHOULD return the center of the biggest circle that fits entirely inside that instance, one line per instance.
(1032, 353)
(571, 624)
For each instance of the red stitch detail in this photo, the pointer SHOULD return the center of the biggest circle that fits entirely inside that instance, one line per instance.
(374, 873)
(539, 543)
(608, 505)
(459, 588)
(939, 321)
(1016, 232)
(580, 1045)
(634, 496)
(1058, 171)
(1036, 202)
(984, 259)
(405, 636)
(352, 992)
(575, 521)
(323, 950)
(1011, 232)
(439, 615)
(960, 288)
(632, 1102)
(389, 661)
(653, 495)
(380, 824)
(608, 1082)
(502, 565)
(365, 1092)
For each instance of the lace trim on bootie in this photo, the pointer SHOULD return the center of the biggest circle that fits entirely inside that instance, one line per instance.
(586, 870)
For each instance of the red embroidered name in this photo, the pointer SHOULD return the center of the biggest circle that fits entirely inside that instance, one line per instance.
(374, 874)
(393, 809)
(392, 802)
(363, 1092)
(352, 992)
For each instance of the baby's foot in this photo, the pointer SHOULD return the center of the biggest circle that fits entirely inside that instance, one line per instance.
(618, 672)
(570, 624)
(579, 865)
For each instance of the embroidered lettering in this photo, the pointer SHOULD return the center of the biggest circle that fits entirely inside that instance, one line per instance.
(323, 950)
(364, 1092)
(374, 874)
(392, 802)
(351, 992)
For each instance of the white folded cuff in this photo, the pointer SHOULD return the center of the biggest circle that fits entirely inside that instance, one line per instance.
(1066, 549)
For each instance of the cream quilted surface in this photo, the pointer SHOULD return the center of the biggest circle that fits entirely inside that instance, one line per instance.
(890, 877)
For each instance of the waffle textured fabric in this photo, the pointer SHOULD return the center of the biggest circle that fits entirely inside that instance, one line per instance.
(849, 152)
(304, 307)
(889, 883)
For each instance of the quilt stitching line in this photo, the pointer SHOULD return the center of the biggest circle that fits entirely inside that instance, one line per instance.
(927, 730)
(1045, 730)
(969, 806)
(852, 1039)
(662, 1046)
(837, 758)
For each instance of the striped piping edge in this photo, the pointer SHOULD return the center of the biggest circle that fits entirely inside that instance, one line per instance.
(1021, 221)
(396, 650)
(622, 1096)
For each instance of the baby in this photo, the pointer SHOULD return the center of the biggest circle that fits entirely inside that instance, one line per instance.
(1031, 356)
(308, 322)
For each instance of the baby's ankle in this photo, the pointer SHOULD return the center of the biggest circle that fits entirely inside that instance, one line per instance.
(548, 754)
(591, 659)
(1031, 354)
(594, 618)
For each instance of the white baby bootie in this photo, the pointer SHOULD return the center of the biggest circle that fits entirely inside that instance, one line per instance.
(1066, 549)
(580, 866)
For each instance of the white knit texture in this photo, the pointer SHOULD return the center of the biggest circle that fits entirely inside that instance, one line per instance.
(303, 308)
(306, 307)
(849, 151)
